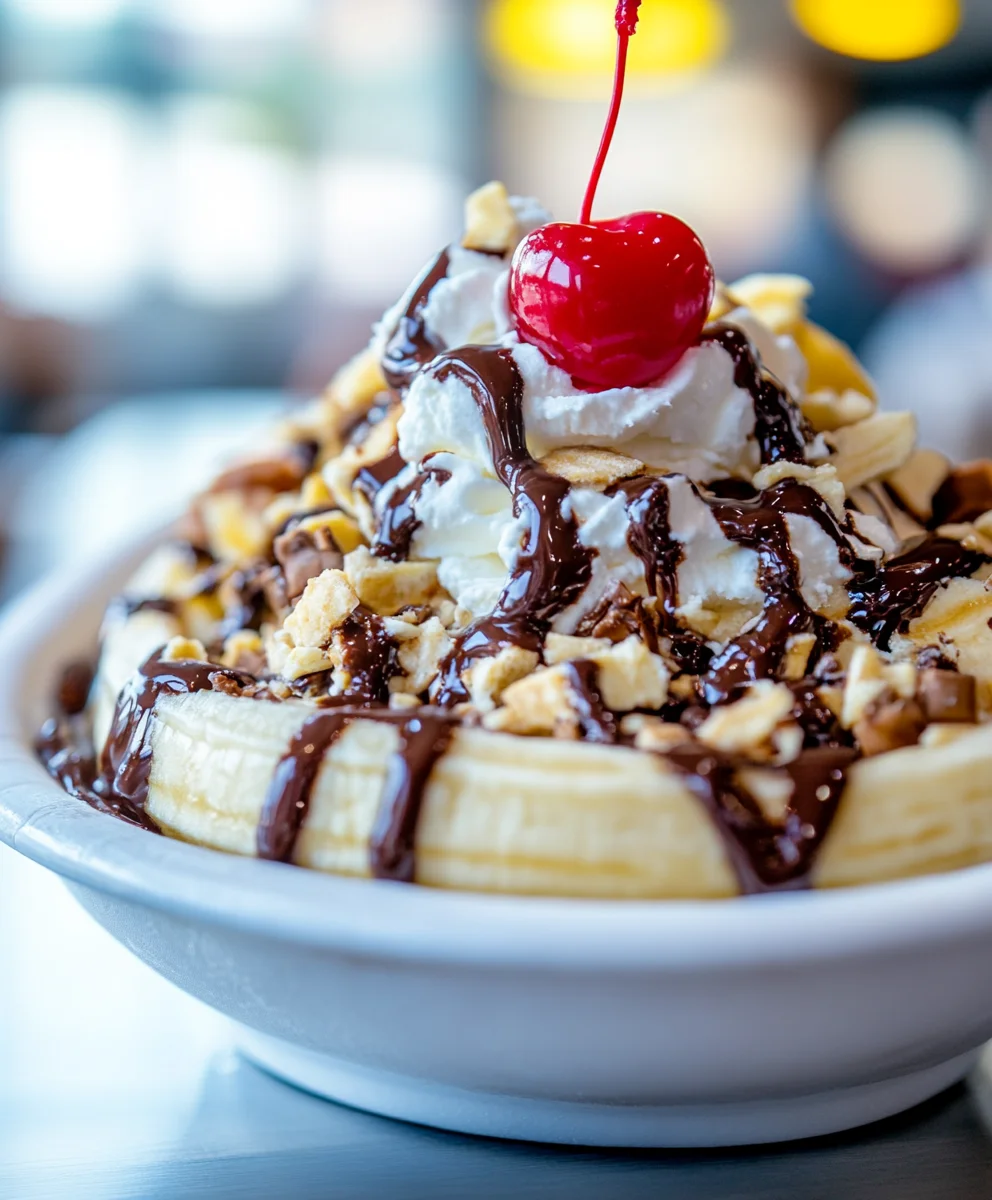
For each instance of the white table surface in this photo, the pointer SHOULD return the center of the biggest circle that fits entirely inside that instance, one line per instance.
(115, 1084)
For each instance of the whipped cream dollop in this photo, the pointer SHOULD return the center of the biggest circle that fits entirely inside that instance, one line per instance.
(697, 424)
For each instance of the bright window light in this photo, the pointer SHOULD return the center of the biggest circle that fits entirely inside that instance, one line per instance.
(380, 220)
(68, 12)
(71, 171)
(230, 19)
(886, 30)
(231, 211)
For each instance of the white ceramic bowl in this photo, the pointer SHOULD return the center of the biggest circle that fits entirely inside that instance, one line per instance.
(626, 1023)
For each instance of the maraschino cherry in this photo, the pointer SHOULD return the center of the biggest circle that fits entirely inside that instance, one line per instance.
(613, 303)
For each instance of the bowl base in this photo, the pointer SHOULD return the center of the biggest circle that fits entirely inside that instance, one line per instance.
(523, 1118)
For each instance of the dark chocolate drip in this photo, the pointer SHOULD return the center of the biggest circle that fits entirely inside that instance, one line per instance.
(884, 603)
(759, 524)
(373, 477)
(423, 739)
(355, 432)
(369, 654)
(74, 687)
(410, 345)
(596, 722)
(122, 607)
(553, 567)
(287, 800)
(649, 536)
(768, 855)
(398, 521)
(779, 426)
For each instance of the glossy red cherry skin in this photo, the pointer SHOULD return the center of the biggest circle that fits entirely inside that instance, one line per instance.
(613, 303)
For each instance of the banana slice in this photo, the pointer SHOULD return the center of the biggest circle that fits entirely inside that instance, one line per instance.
(547, 817)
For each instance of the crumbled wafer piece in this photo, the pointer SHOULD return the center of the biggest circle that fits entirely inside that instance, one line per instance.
(353, 390)
(539, 703)
(244, 651)
(630, 676)
(917, 481)
(490, 222)
(772, 790)
(419, 654)
(560, 647)
(660, 736)
(341, 471)
(402, 701)
(328, 600)
(937, 735)
(947, 696)
(864, 684)
(386, 587)
(587, 466)
(748, 723)
(234, 524)
(488, 678)
(831, 365)
(873, 448)
(822, 479)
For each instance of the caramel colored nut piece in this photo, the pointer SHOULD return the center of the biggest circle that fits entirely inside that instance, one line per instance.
(490, 222)
(244, 651)
(282, 471)
(864, 684)
(620, 615)
(387, 587)
(587, 466)
(918, 480)
(328, 601)
(747, 724)
(947, 696)
(889, 724)
(873, 448)
(303, 555)
(966, 493)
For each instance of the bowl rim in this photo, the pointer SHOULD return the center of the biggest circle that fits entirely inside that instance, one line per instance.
(383, 919)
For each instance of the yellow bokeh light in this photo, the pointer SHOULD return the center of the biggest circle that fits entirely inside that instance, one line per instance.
(566, 47)
(884, 30)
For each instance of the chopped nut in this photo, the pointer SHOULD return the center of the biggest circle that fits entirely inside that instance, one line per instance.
(303, 555)
(420, 656)
(342, 528)
(873, 448)
(778, 301)
(797, 651)
(282, 471)
(652, 733)
(490, 222)
(327, 602)
(387, 587)
(630, 676)
(832, 698)
(559, 647)
(683, 687)
(888, 724)
(771, 789)
(234, 524)
(488, 678)
(619, 615)
(826, 410)
(864, 684)
(901, 678)
(539, 703)
(586, 466)
(947, 696)
(965, 493)
(244, 651)
(917, 481)
(178, 649)
(748, 723)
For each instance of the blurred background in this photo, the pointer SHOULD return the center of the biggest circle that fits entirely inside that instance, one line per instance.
(203, 203)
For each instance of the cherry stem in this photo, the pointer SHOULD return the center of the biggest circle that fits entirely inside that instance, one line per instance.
(626, 23)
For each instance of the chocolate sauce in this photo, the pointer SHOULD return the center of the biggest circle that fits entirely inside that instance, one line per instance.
(122, 607)
(410, 345)
(553, 566)
(423, 739)
(373, 477)
(287, 800)
(74, 687)
(369, 654)
(398, 521)
(779, 427)
(767, 855)
(596, 721)
(885, 602)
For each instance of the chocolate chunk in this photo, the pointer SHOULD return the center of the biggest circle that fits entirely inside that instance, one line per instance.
(889, 724)
(302, 555)
(965, 494)
(617, 616)
(947, 696)
(283, 472)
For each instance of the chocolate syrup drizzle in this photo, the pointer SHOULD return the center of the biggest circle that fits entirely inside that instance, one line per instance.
(780, 429)
(596, 721)
(411, 344)
(553, 567)
(398, 520)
